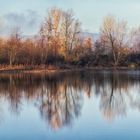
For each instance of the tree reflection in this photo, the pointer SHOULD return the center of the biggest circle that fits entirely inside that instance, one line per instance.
(60, 106)
(112, 100)
(59, 97)
(115, 95)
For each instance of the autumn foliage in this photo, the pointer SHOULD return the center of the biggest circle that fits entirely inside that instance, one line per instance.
(60, 41)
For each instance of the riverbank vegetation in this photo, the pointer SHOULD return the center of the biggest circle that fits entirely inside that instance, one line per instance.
(62, 43)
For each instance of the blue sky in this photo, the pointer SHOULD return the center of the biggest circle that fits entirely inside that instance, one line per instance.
(29, 13)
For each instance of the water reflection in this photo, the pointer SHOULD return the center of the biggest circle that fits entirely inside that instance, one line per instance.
(59, 97)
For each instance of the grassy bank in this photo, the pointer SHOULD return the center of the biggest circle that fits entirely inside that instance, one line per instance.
(52, 68)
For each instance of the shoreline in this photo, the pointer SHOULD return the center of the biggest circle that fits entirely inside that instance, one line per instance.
(52, 69)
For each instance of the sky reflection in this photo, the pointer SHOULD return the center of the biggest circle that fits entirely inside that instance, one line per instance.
(70, 105)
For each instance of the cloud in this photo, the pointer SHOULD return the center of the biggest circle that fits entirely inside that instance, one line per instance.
(28, 22)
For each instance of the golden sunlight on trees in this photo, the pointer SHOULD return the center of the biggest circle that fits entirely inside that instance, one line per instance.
(60, 32)
(50, 32)
(62, 43)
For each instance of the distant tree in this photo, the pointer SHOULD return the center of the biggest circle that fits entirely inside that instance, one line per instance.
(89, 46)
(3, 52)
(13, 43)
(135, 39)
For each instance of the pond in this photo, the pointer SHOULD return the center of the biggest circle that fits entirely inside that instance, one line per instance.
(72, 105)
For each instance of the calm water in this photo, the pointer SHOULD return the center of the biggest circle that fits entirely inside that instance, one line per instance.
(83, 105)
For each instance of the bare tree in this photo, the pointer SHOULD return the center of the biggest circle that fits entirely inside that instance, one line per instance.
(135, 39)
(60, 31)
(113, 34)
(14, 42)
(71, 28)
(50, 29)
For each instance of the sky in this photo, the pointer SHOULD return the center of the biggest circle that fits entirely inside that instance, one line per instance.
(28, 14)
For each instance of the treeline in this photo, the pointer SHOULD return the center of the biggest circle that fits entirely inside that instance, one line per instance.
(61, 42)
